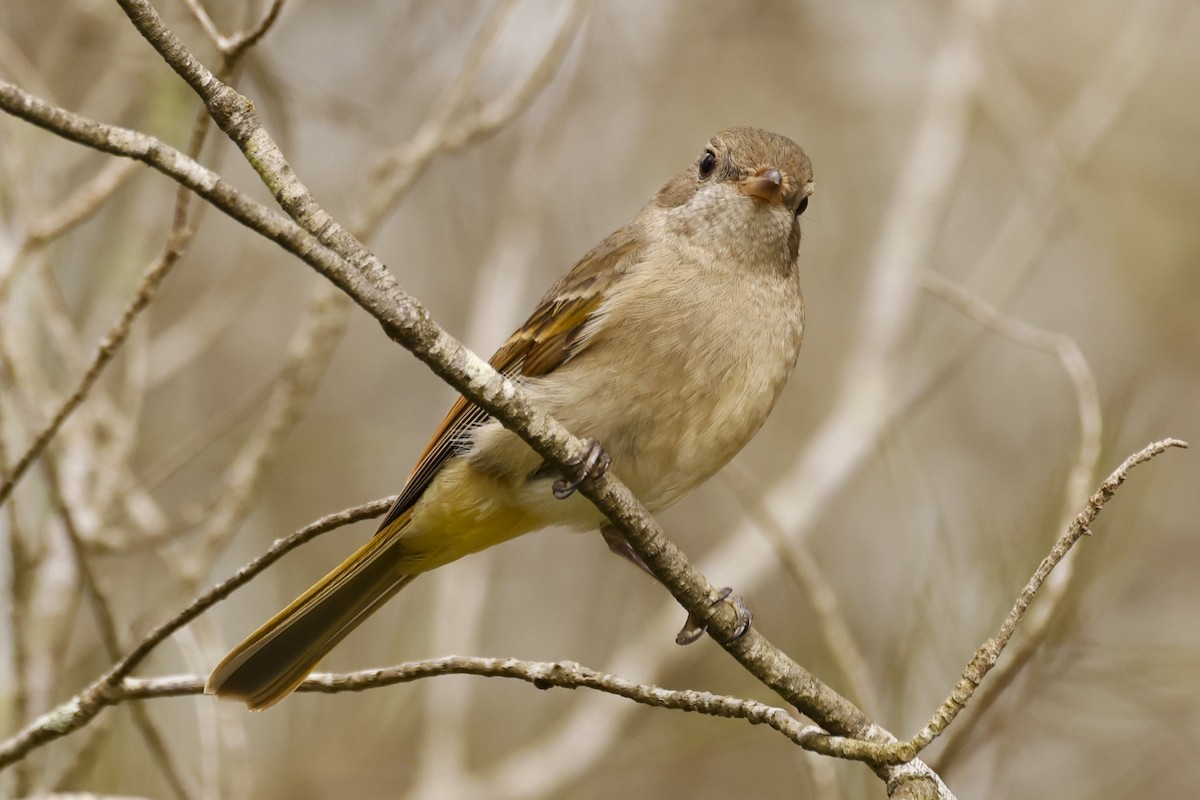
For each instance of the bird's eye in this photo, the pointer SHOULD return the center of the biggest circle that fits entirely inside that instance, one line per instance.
(708, 163)
(803, 205)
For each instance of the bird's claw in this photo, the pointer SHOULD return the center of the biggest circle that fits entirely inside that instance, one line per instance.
(693, 628)
(592, 464)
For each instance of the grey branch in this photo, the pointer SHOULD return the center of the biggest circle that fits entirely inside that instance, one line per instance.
(316, 238)
(989, 652)
(368, 282)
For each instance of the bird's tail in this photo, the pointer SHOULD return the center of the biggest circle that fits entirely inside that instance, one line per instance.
(273, 660)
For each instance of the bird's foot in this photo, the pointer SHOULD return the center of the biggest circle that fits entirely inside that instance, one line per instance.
(693, 629)
(592, 464)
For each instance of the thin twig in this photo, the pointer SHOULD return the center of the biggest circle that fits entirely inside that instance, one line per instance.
(543, 675)
(987, 655)
(82, 708)
(803, 568)
(105, 350)
(1087, 398)
(989, 652)
(109, 638)
(447, 129)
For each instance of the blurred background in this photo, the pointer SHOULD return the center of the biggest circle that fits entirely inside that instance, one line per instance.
(1001, 276)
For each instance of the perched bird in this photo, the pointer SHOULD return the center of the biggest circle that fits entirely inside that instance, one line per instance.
(668, 343)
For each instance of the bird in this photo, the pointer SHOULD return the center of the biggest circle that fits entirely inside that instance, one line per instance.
(666, 345)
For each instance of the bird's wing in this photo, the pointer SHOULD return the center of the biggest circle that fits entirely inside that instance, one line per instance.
(556, 332)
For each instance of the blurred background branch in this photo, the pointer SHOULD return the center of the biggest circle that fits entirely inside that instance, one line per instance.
(1032, 167)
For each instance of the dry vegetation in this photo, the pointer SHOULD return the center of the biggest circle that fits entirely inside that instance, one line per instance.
(1000, 264)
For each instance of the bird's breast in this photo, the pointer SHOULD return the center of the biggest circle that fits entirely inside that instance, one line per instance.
(684, 369)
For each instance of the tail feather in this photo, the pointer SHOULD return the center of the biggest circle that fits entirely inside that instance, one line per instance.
(276, 658)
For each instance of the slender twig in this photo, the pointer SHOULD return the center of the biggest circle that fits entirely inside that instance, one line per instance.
(803, 568)
(543, 675)
(105, 350)
(989, 652)
(82, 708)
(109, 638)
(987, 655)
(447, 129)
(1083, 467)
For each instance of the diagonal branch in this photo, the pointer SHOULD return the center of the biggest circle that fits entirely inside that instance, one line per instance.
(409, 323)
(81, 709)
(105, 351)
(366, 280)
(989, 652)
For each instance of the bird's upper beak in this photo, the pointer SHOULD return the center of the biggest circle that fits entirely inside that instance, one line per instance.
(766, 185)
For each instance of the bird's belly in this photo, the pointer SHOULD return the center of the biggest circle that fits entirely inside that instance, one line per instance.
(672, 395)
(675, 436)
(690, 407)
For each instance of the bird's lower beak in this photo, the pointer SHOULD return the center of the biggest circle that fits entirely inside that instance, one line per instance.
(767, 186)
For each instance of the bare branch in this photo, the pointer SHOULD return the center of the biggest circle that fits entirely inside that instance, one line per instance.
(108, 347)
(1087, 398)
(987, 655)
(543, 675)
(106, 623)
(803, 568)
(82, 708)
(448, 129)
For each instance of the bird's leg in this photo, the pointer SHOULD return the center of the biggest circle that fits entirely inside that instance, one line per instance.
(693, 628)
(617, 542)
(592, 464)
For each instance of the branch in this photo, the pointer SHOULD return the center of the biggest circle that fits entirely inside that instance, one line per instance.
(987, 655)
(81, 709)
(543, 675)
(407, 322)
(335, 253)
(105, 351)
(989, 652)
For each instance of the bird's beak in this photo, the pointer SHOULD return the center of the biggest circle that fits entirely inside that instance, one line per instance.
(767, 186)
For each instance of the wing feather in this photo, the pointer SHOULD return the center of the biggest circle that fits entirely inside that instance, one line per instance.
(556, 332)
